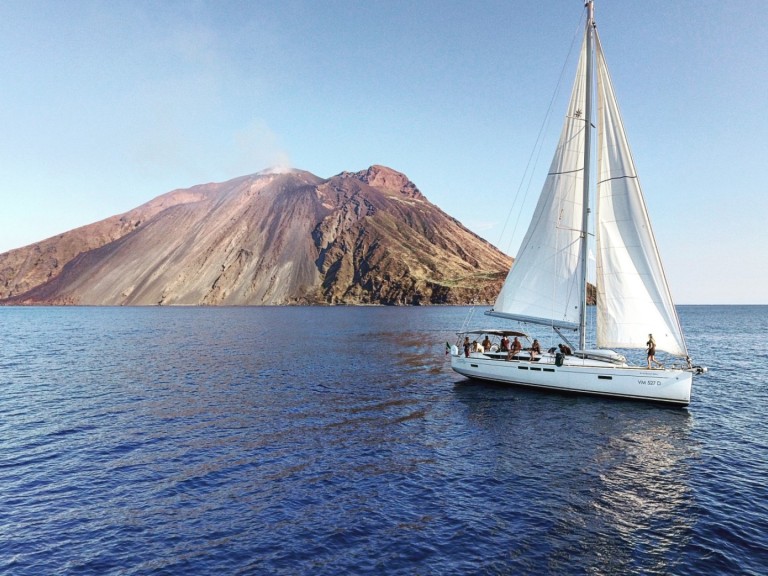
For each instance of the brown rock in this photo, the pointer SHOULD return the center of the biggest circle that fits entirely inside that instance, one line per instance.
(369, 237)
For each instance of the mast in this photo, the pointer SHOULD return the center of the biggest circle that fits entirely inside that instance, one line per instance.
(587, 162)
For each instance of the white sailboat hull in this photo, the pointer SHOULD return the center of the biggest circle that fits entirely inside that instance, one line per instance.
(671, 386)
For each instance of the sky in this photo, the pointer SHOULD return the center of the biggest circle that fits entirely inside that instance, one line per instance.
(105, 105)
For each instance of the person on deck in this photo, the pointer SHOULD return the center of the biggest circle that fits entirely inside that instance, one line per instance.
(487, 344)
(565, 349)
(651, 344)
(516, 348)
(466, 346)
(504, 344)
(535, 349)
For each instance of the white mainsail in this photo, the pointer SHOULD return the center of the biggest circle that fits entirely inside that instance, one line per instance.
(633, 298)
(544, 285)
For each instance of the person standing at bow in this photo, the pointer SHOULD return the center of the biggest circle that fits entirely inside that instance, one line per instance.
(651, 344)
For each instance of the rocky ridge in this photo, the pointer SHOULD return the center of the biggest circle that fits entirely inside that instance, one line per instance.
(368, 237)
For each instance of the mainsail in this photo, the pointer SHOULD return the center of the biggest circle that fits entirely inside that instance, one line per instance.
(544, 285)
(633, 298)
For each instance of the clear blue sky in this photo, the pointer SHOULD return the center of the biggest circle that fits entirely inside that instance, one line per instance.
(106, 105)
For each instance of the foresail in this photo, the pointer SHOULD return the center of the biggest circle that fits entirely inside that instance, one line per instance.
(633, 298)
(544, 284)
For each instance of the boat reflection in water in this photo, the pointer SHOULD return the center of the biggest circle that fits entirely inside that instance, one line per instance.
(604, 482)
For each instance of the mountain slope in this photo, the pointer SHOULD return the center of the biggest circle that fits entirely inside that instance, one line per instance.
(369, 237)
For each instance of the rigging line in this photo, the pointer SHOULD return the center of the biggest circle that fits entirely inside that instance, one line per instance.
(617, 178)
(536, 150)
(567, 172)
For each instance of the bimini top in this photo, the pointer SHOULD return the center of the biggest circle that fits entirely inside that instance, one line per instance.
(496, 332)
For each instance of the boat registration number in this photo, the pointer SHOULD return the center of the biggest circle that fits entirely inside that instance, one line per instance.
(644, 382)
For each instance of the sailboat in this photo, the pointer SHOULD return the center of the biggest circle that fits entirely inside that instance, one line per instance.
(547, 284)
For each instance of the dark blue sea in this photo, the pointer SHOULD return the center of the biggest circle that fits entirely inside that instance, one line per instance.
(328, 441)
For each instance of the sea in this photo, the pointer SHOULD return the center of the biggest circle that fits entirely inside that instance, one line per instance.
(337, 440)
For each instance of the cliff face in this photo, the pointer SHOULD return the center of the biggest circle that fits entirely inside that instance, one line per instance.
(369, 237)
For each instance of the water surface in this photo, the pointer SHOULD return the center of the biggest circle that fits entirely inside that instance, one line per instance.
(338, 440)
